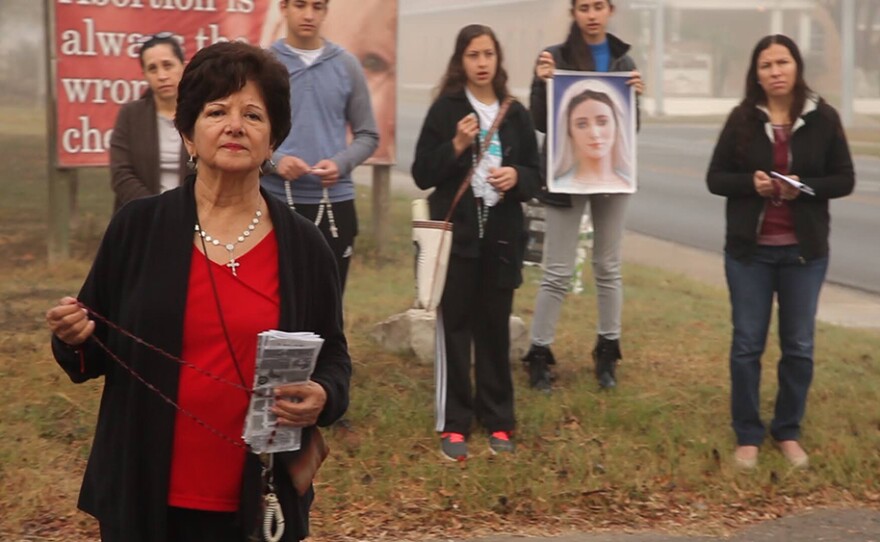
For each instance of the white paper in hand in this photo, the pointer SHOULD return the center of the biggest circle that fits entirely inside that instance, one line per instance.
(797, 184)
(282, 358)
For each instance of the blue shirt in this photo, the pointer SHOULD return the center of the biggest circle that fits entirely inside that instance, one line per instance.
(601, 56)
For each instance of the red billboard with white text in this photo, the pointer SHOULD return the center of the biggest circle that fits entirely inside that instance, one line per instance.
(97, 67)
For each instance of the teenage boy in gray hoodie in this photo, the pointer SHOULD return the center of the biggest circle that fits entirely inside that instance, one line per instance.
(328, 94)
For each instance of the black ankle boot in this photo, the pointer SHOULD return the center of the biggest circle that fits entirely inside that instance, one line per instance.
(605, 356)
(539, 359)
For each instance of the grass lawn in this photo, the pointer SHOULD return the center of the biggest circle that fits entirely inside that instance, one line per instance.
(652, 454)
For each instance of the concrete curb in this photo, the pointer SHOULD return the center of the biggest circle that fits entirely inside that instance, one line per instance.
(826, 525)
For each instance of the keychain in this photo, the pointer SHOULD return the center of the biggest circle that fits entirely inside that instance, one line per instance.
(273, 517)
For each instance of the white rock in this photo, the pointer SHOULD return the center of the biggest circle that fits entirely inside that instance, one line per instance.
(412, 332)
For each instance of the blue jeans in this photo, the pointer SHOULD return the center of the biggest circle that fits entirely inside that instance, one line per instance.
(752, 284)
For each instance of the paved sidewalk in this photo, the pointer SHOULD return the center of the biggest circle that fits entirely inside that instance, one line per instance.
(837, 304)
(815, 526)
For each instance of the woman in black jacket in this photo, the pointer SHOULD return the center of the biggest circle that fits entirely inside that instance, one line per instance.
(167, 463)
(488, 235)
(777, 235)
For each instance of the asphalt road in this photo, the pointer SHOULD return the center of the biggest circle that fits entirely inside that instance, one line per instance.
(673, 203)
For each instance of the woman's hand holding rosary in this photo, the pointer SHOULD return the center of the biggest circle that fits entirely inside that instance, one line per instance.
(70, 322)
(503, 179)
(465, 133)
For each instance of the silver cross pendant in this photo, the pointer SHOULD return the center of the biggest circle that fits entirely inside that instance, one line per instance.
(233, 265)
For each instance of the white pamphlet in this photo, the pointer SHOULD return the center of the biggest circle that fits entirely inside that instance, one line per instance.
(797, 184)
(282, 358)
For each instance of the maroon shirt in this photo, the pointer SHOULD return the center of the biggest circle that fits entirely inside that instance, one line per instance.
(778, 226)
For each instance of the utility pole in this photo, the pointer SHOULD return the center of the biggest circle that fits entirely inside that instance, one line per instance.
(848, 60)
(776, 18)
(659, 54)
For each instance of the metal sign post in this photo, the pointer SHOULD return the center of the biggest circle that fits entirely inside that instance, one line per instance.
(381, 201)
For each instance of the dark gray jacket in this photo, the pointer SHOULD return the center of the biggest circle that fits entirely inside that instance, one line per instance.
(620, 62)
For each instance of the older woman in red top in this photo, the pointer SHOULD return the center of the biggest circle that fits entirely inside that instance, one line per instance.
(198, 272)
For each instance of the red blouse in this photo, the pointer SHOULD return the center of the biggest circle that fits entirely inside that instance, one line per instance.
(206, 470)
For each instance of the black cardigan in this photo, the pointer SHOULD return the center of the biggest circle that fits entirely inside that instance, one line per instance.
(620, 62)
(819, 156)
(436, 166)
(139, 281)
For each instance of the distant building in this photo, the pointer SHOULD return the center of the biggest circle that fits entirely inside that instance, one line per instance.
(707, 42)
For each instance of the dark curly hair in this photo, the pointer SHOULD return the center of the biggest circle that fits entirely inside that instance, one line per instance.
(225, 68)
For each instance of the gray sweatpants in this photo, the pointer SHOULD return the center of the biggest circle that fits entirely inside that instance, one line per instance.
(607, 212)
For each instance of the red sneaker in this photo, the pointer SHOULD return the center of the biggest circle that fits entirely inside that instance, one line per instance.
(453, 446)
(500, 442)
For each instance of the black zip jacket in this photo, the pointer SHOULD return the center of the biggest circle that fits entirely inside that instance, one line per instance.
(139, 281)
(620, 62)
(819, 155)
(436, 166)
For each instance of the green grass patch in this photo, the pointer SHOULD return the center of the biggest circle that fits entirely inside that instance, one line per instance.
(652, 454)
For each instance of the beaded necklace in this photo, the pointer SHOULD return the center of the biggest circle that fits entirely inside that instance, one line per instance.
(482, 208)
(230, 247)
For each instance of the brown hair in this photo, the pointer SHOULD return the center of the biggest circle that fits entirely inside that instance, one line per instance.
(455, 79)
(575, 50)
